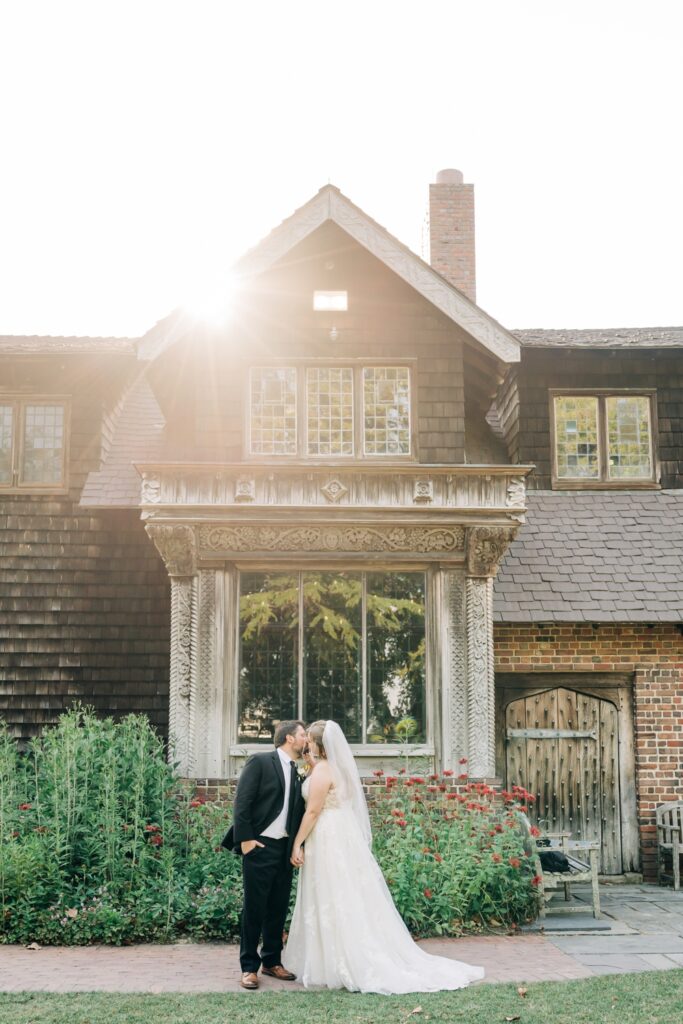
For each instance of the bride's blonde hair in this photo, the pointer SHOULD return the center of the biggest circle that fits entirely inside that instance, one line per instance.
(315, 731)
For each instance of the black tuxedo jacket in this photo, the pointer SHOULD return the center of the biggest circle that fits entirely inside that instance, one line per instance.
(258, 801)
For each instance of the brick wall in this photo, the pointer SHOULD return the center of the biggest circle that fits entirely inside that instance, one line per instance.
(542, 369)
(655, 658)
(451, 233)
(84, 599)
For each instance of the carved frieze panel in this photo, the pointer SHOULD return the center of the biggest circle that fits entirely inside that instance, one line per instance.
(415, 539)
(176, 545)
(480, 678)
(486, 546)
(182, 672)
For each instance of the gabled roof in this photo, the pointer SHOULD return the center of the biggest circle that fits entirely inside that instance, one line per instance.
(612, 337)
(31, 345)
(595, 556)
(331, 205)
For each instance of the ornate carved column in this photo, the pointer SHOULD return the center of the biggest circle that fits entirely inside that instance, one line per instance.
(176, 545)
(485, 548)
(453, 643)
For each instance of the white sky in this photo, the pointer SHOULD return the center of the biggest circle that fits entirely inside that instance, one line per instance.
(145, 145)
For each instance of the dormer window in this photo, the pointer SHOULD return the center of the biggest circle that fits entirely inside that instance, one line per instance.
(603, 438)
(32, 444)
(324, 410)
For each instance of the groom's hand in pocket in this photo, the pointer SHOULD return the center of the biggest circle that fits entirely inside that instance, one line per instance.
(250, 844)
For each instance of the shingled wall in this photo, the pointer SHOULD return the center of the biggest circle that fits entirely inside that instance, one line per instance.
(545, 368)
(84, 602)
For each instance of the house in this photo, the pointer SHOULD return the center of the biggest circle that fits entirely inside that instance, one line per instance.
(362, 498)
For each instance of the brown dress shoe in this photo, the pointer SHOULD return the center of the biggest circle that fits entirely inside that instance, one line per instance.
(278, 972)
(249, 980)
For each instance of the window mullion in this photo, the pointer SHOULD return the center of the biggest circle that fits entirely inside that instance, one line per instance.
(603, 441)
(300, 651)
(364, 658)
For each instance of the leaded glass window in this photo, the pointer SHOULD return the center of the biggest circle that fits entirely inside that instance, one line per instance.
(6, 424)
(333, 644)
(273, 410)
(386, 410)
(576, 437)
(32, 444)
(329, 410)
(43, 444)
(628, 437)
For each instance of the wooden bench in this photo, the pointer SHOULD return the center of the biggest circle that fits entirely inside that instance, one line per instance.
(670, 838)
(580, 870)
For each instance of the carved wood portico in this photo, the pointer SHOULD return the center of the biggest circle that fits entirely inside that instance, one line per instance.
(211, 521)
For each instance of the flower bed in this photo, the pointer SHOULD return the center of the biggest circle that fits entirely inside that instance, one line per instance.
(100, 841)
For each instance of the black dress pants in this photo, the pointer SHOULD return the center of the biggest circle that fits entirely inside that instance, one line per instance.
(267, 877)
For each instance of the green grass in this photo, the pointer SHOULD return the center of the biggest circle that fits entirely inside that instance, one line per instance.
(652, 998)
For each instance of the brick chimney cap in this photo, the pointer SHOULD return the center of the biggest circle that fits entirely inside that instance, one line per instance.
(449, 177)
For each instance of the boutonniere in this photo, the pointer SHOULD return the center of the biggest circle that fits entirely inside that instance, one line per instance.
(303, 771)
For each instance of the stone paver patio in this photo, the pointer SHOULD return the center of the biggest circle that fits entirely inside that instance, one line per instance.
(646, 933)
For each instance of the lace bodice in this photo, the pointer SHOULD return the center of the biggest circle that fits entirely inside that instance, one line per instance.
(331, 800)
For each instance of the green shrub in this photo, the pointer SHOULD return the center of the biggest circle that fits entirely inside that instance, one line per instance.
(453, 861)
(101, 841)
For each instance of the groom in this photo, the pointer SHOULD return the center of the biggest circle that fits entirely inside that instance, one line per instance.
(267, 813)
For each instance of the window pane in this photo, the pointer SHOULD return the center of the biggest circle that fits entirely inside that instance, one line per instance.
(273, 410)
(43, 452)
(628, 437)
(332, 650)
(6, 424)
(269, 627)
(576, 437)
(386, 410)
(396, 657)
(329, 393)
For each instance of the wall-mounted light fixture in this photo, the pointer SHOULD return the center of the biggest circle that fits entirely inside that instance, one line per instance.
(330, 302)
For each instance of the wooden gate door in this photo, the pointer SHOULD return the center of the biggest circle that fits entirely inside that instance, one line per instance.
(563, 746)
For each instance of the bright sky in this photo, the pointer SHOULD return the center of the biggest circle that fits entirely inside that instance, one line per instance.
(145, 145)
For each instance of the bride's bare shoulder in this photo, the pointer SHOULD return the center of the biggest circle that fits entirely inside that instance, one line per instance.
(321, 772)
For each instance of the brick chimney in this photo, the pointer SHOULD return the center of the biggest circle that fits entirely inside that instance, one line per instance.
(451, 230)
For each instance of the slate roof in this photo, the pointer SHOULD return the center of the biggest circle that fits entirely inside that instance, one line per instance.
(595, 557)
(617, 337)
(29, 345)
(138, 437)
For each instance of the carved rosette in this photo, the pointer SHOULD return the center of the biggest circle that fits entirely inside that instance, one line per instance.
(334, 490)
(176, 545)
(151, 489)
(423, 492)
(351, 539)
(486, 546)
(245, 490)
(480, 678)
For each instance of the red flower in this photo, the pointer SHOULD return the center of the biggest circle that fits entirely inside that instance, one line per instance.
(156, 840)
(390, 779)
(378, 773)
(442, 787)
(498, 827)
(401, 771)
(463, 760)
(496, 858)
(428, 893)
(196, 803)
(536, 880)
(417, 780)
(462, 777)
(401, 822)
(452, 796)
(433, 778)
(425, 849)
(396, 813)
(535, 831)
(448, 772)
(438, 858)
(24, 807)
(432, 789)
(515, 862)
(152, 828)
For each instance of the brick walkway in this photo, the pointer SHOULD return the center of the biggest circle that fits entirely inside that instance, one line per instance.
(214, 967)
(643, 932)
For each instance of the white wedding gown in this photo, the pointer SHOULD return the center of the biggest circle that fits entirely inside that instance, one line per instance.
(346, 931)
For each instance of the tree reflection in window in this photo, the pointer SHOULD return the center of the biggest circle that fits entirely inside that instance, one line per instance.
(327, 615)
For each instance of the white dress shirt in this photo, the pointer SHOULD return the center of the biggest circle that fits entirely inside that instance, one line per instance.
(278, 828)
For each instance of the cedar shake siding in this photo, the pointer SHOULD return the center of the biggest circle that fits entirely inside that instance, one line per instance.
(84, 606)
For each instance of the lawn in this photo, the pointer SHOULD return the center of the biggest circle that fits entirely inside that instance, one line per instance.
(652, 998)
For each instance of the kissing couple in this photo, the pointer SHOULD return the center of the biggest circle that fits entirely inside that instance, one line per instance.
(345, 930)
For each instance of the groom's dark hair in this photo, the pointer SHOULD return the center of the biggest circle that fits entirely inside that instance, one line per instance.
(285, 729)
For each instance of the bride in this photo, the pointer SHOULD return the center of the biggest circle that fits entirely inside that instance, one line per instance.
(346, 931)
